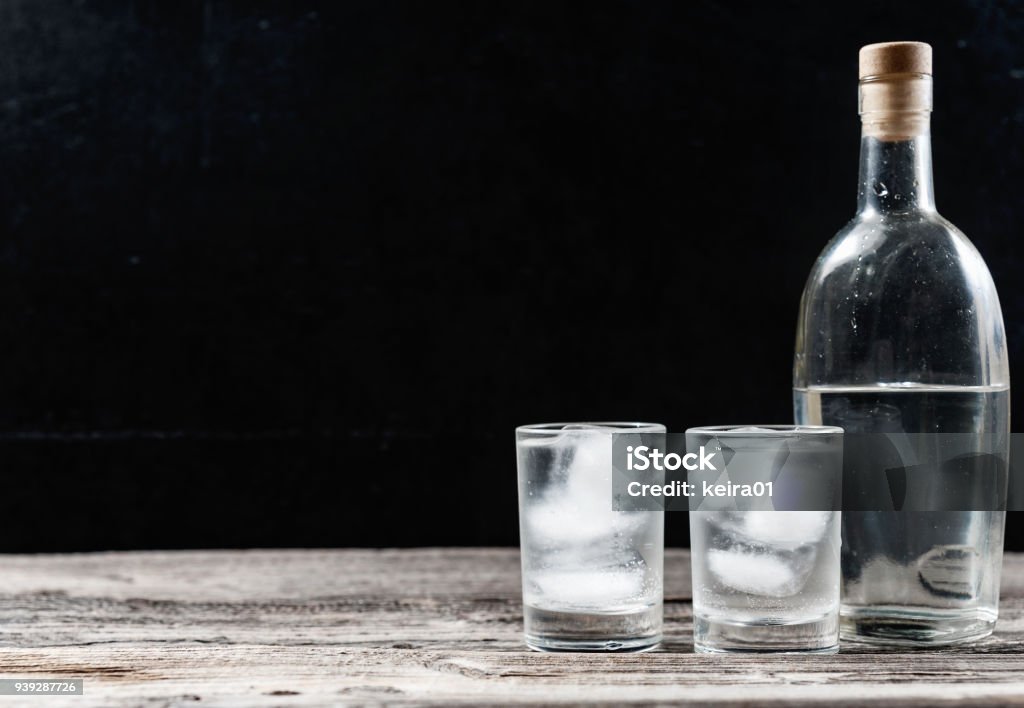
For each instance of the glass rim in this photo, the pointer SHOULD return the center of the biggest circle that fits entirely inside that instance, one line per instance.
(593, 427)
(766, 431)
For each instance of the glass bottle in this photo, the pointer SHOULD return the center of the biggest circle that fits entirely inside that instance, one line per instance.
(900, 331)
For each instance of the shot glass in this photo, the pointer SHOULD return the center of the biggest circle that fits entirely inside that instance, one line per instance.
(765, 557)
(592, 576)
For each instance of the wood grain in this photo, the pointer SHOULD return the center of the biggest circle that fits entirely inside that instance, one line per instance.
(440, 626)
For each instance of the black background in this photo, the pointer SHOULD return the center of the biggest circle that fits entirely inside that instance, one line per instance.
(289, 274)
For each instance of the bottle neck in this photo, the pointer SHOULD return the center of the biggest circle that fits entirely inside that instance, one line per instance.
(896, 175)
(896, 146)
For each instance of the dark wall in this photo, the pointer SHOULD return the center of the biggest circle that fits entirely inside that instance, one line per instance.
(282, 274)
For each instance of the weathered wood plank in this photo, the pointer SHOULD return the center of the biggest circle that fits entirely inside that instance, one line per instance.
(406, 626)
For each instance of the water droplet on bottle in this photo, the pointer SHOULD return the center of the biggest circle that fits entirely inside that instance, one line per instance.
(880, 189)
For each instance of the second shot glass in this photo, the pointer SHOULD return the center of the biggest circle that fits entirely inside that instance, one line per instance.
(764, 579)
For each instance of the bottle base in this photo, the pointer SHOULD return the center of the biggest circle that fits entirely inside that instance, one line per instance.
(627, 631)
(915, 628)
(816, 636)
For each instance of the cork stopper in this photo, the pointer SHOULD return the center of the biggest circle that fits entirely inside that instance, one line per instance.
(895, 89)
(895, 58)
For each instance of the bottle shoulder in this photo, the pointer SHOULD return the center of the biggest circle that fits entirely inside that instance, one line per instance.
(915, 244)
(906, 299)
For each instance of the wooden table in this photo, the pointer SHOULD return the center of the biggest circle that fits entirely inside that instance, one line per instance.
(442, 626)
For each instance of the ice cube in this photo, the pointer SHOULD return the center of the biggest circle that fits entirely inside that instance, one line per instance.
(577, 508)
(588, 473)
(764, 574)
(598, 589)
(559, 521)
(783, 528)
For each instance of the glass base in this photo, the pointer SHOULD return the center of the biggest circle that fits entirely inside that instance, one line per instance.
(815, 636)
(627, 631)
(915, 628)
